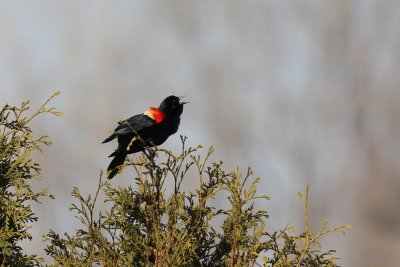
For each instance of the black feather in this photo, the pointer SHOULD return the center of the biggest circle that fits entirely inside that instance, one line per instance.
(116, 164)
(150, 131)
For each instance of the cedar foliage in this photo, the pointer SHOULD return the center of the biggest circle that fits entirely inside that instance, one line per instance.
(153, 221)
(17, 168)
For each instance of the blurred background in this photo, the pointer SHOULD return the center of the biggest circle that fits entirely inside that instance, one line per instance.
(302, 91)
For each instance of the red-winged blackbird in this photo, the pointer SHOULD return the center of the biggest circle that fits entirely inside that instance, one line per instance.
(153, 126)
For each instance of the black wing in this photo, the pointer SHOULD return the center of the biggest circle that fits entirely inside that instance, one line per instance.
(131, 125)
(134, 124)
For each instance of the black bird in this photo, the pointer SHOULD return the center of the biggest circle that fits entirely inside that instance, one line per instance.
(153, 127)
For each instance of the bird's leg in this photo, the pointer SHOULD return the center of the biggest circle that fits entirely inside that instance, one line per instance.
(149, 153)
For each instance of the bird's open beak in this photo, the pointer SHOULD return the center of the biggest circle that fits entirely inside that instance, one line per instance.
(183, 103)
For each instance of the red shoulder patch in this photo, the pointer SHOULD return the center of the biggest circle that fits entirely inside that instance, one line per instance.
(155, 114)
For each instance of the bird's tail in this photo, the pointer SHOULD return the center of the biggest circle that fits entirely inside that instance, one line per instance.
(116, 164)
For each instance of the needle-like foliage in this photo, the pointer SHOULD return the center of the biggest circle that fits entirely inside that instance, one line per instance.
(17, 168)
(153, 222)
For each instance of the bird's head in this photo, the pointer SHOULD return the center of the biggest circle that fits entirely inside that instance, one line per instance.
(172, 106)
